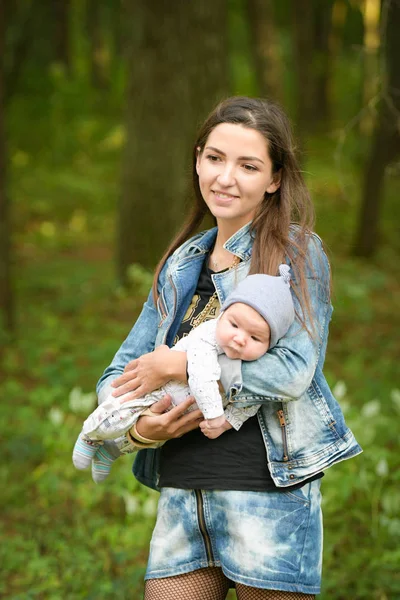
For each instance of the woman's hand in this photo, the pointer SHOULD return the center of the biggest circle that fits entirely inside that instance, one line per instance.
(167, 425)
(149, 372)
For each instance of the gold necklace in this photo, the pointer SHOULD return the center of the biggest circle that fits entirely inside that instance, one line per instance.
(236, 261)
(207, 309)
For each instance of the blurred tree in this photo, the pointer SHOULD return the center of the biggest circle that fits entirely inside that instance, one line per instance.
(99, 53)
(18, 42)
(371, 10)
(177, 69)
(386, 140)
(61, 9)
(120, 28)
(6, 296)
(322, 58)
(266, 49)
(339, 15)
(311, 23)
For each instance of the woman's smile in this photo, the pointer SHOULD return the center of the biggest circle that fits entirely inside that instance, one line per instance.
(224, 197)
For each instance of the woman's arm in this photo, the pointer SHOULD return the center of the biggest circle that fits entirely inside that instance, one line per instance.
(286, 372)
(149, 372)
(128, 371)
(163, 425)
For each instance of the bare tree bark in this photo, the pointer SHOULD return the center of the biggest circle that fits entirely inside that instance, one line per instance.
(386, 141)
(265, 48)
(6, 294)
(177, 70)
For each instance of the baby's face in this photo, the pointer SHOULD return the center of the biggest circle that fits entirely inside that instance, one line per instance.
(242, 332)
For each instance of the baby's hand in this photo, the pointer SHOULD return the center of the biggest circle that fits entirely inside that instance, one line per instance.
(213, 430)
(214, 423)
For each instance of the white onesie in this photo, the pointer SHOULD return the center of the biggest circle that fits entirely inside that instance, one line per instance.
(112, 419)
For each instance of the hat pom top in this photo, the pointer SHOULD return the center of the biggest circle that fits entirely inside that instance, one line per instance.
(284, 272)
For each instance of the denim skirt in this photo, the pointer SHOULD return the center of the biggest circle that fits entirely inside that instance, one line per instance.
(269, 540)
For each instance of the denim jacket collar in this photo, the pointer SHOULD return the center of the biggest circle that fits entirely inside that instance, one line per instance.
(240, 243)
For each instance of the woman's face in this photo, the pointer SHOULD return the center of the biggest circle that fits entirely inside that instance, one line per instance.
(234, 172)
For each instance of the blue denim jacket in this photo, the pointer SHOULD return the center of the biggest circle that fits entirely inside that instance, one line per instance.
(301, 422)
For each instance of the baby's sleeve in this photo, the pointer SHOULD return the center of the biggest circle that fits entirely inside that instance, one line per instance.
(237, 416)
(204, 370)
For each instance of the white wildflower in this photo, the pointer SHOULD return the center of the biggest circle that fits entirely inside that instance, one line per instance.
(340, 390)
(56, 416)
(79, 402)
(131, 504)
(382, 468)
(345, 406)
(395, 398)
(371, 409)
(150, 507)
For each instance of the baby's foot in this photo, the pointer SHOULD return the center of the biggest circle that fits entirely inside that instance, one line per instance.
(103, 460)
(84, 451)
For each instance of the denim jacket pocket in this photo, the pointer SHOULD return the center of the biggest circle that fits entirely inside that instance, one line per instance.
(318, 399)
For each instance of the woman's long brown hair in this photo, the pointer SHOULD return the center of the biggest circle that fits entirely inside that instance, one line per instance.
(291, 203)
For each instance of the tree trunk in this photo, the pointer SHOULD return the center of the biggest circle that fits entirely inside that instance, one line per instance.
(6, 295)
(120, 29)
(98, 59)
(303, 38)
(371, 16)
(339, 12)
(61, 10)
(386, 142)
(265, 49)
(25, 24)
(322, 59)
(177, 70)
(312, 21)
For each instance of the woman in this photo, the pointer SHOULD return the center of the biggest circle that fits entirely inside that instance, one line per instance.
(244, 509)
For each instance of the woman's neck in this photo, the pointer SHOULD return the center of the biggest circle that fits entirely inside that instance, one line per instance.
(220, 258)
(225, 231)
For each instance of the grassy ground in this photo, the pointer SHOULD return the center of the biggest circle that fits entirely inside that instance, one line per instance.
(66, 537)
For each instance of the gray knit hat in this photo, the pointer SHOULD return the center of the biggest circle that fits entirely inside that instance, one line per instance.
(270, 296)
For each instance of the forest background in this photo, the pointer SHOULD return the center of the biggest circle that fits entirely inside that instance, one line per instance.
(99, 104)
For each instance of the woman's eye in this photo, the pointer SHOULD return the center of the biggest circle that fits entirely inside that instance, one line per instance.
(212, 157)
(250, 168)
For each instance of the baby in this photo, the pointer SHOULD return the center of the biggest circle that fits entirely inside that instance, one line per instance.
(253, 318)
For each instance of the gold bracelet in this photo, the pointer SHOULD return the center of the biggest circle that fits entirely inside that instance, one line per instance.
(135, 442)
(138, 440)
(136, 436)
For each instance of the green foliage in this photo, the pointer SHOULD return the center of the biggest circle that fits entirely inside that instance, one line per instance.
(65, 536)
(139, 279)
(361, 500)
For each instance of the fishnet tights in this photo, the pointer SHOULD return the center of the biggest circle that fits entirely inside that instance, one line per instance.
(209, 584)
(248, 593)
